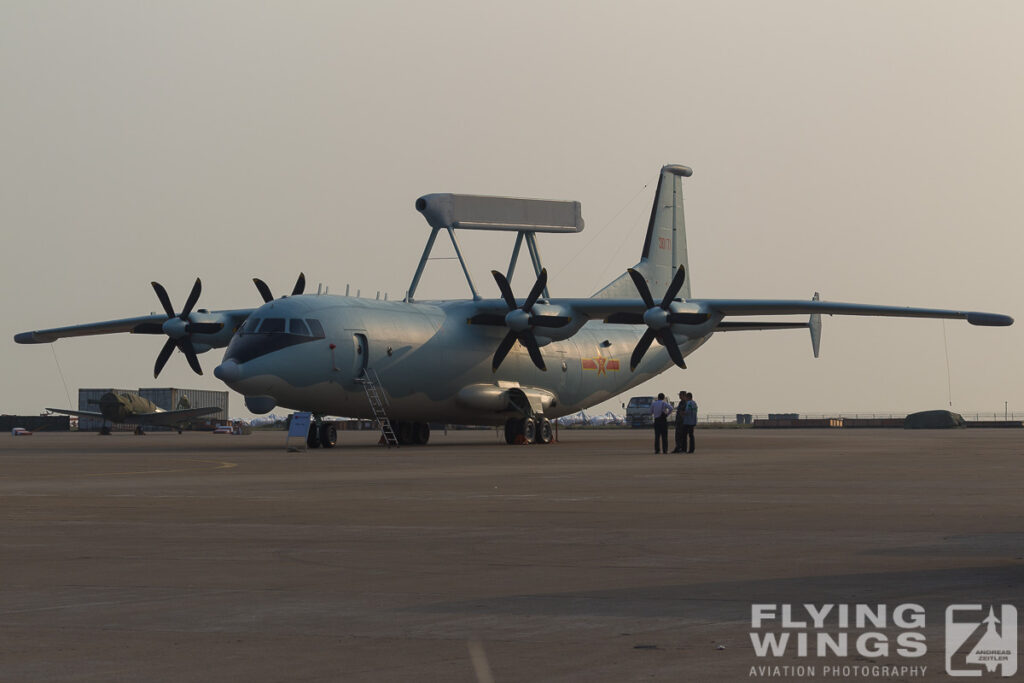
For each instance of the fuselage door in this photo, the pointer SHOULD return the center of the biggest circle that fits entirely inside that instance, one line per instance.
(361, 354)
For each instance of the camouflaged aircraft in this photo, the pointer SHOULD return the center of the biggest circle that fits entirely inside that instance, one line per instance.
(479, 361)
(127, 407)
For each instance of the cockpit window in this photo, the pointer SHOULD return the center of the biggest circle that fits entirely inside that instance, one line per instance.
(271, 325)
(298, 326)
(250, 326)
(316, 328)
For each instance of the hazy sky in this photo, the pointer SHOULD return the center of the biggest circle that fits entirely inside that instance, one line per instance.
(867, 150)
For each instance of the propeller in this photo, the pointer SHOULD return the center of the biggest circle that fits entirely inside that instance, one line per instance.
(520, 321)
(179, 328)
(659, 319)
(300, 286)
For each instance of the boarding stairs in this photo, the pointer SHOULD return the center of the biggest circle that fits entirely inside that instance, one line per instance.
(378, 401)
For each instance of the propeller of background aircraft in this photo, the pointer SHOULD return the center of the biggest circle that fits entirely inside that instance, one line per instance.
(300, 286)
(520, 321)
(178, 328)
(659, 319)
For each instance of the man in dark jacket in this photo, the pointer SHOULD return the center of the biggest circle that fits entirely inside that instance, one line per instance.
(680, 429)
(689, 411)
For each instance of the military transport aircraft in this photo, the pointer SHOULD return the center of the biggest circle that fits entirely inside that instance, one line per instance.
(475, 361)
(127, 407)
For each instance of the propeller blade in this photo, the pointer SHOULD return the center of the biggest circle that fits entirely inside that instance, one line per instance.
(527, 339)
(193, 297)
(300, 285)
(677, 283)
(549, 320)
(538, 289)
(148, 328)
(165, 301)
(641, 287)
(625, 319)
(641, 348)
(503, 348)
(190, 353)
(487, 319)
(667, 340)
(263, 290)
(161, 359)
(506, 290)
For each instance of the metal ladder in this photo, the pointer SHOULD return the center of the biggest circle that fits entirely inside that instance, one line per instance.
(371, 384)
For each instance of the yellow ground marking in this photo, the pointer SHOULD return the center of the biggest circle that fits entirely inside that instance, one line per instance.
(220, 465)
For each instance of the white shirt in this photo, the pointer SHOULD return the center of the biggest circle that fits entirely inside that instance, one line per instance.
(661, 408)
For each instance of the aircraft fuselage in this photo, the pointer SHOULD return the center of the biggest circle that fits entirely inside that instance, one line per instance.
(433, 366)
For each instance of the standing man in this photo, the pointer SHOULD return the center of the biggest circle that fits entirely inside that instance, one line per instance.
(689, 422)
(680, 427)
(660, 409)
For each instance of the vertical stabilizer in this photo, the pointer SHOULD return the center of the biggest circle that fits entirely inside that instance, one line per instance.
(665, 243)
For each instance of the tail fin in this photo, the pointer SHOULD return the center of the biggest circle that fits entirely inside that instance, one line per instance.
(184, 403)
(665, 244)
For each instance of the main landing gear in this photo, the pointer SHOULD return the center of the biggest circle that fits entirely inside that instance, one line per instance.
(528, 430)
(322, 434)
(412, 433)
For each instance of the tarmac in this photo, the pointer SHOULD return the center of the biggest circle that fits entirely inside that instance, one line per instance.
(202, 557)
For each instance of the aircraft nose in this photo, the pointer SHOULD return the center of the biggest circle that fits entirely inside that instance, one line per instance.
(228, 371)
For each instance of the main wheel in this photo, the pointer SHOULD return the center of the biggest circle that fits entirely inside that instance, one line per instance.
(512, 430)
(328, 435)
(420, 433)
(404, 433)
(544, 434)
(529, 430)
(313, 436)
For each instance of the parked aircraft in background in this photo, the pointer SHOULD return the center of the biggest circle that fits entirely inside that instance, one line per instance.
(127, 407)
(476, 361)
(577, 419)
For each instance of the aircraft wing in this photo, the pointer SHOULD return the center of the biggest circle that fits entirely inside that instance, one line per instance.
(738, 307)
(170, 417)
(607, 309)
(167, 418)
(146, 324)
(77, 413)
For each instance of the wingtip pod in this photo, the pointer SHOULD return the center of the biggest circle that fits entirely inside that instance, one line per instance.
(989, 319)
(26, 338)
